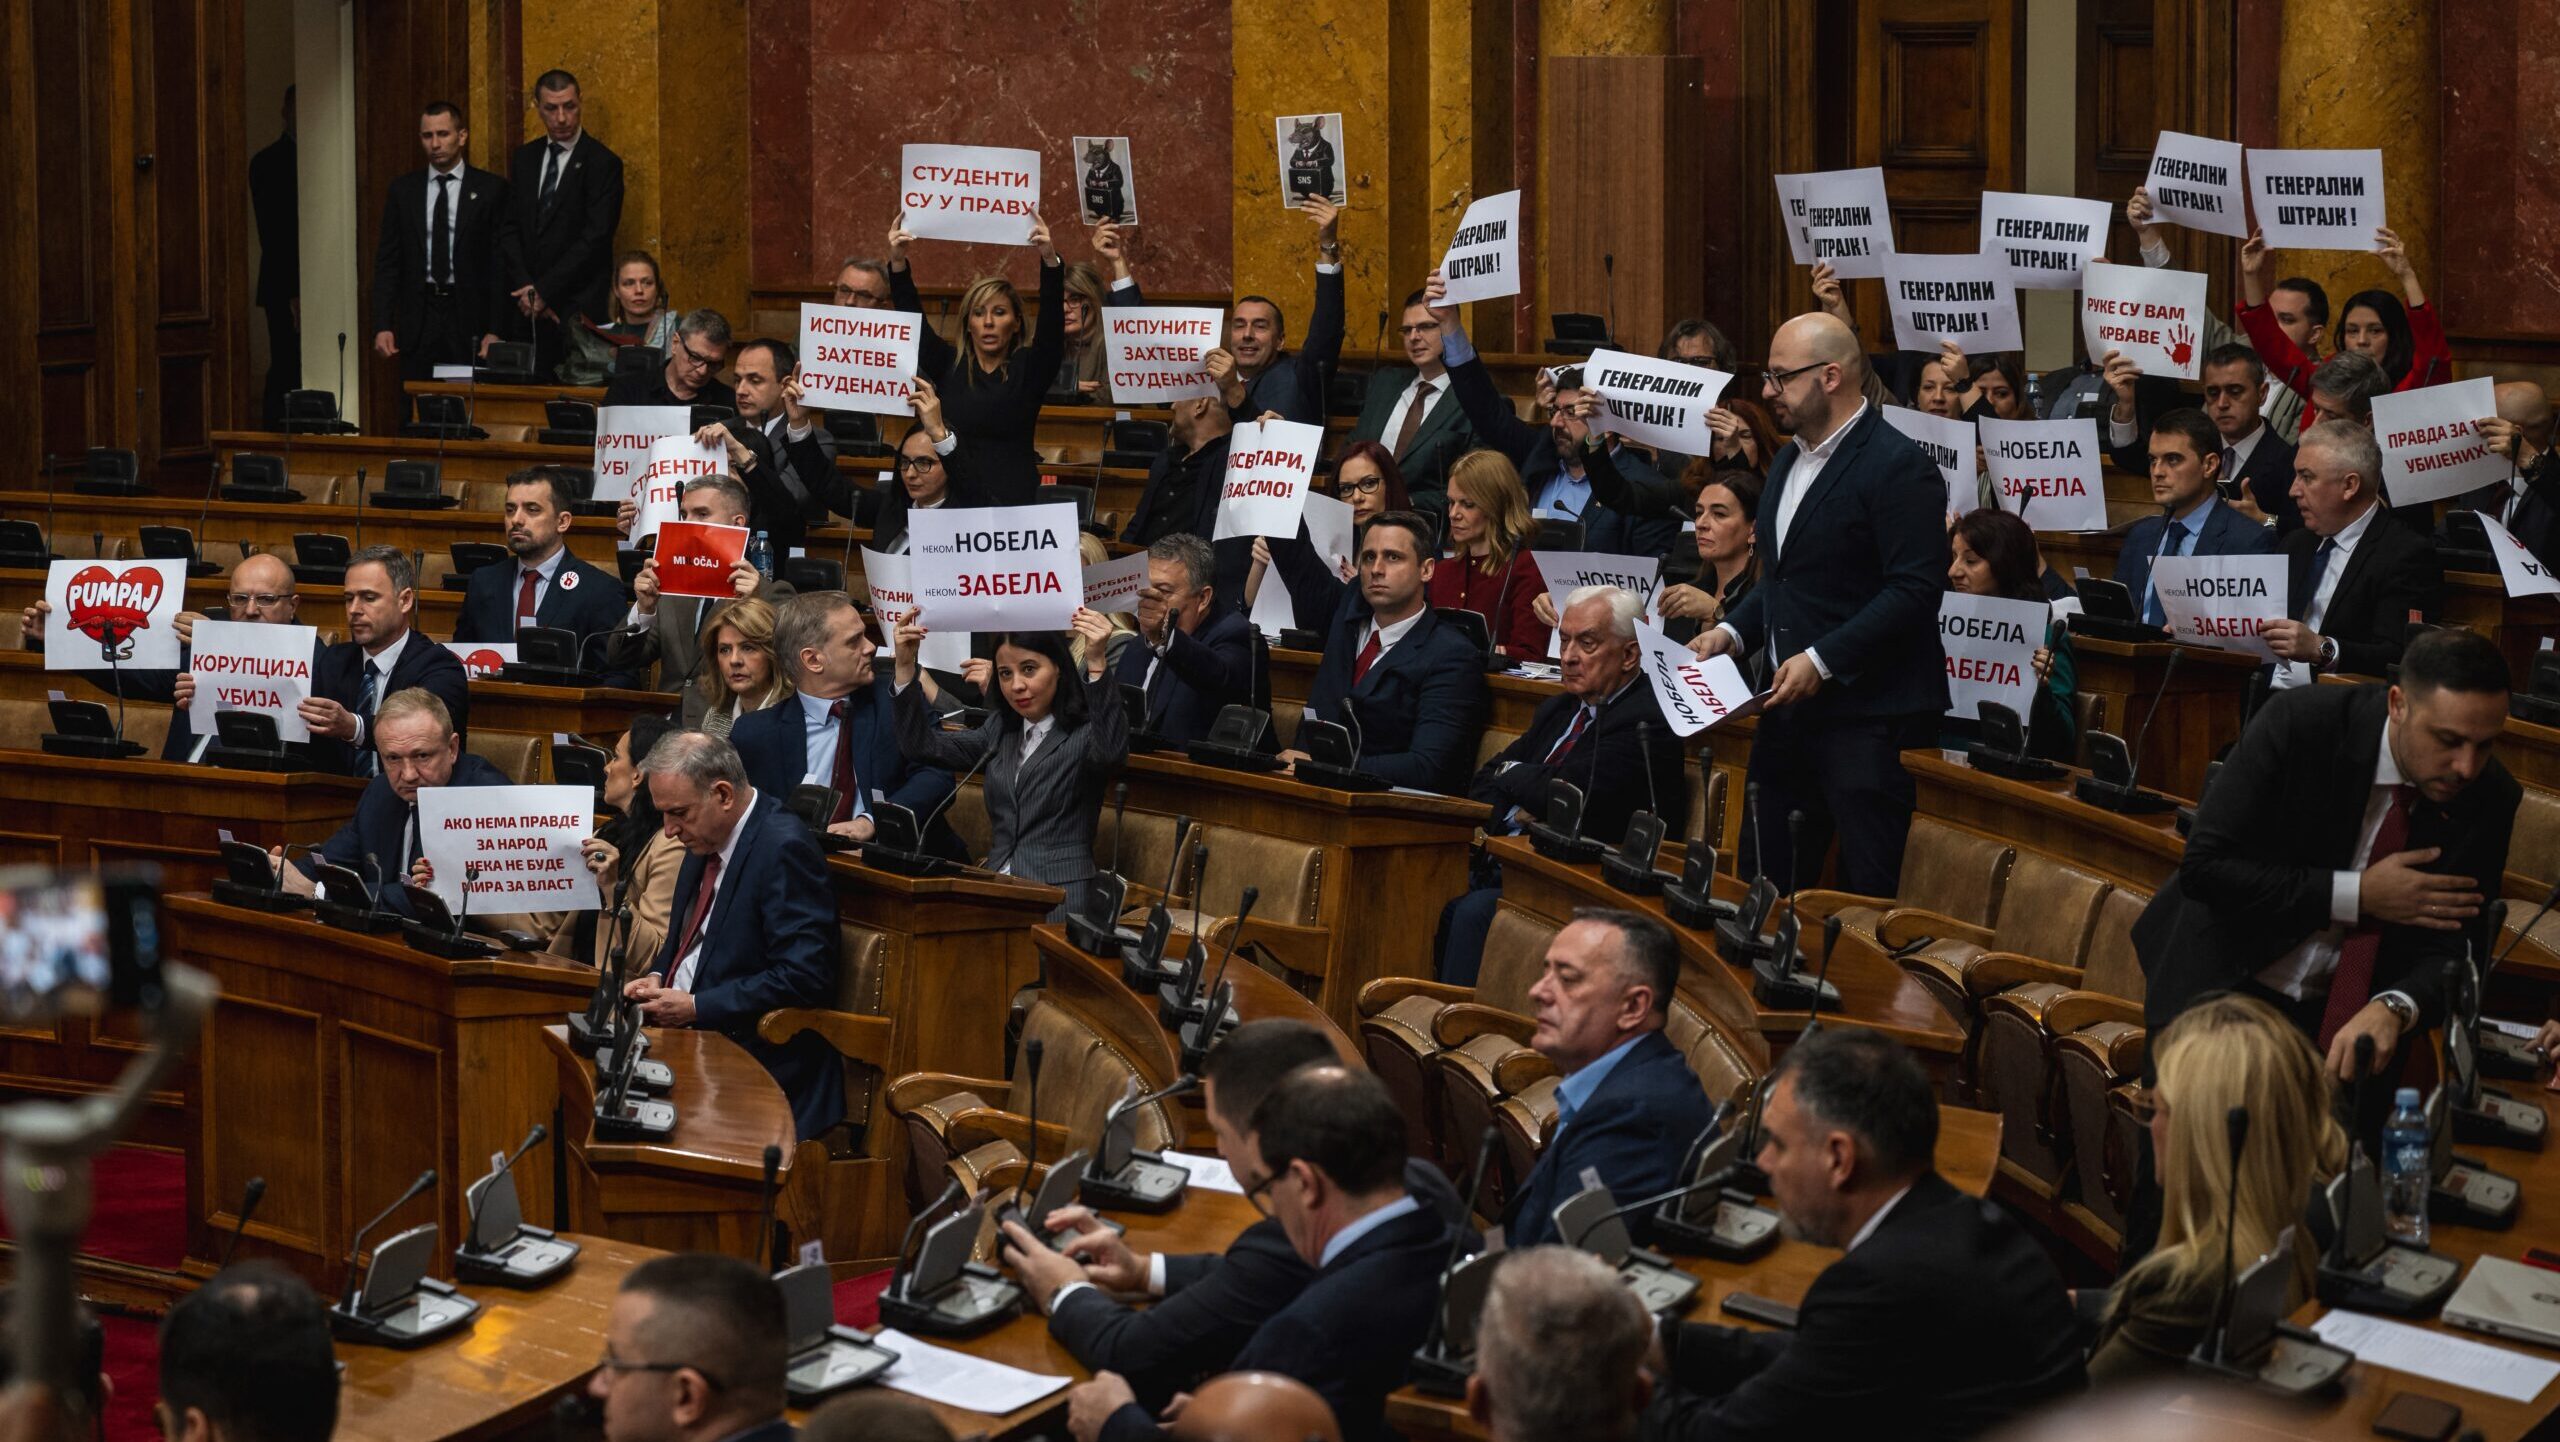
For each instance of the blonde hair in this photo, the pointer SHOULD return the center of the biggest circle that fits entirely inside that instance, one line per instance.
(980, 292)
(613, 306)
(752, 617)
(2224, 1052)
(1492, 485)
(414, 701)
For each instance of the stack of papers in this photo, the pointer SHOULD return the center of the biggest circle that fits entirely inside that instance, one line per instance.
(956, 1379)
(2419, 1352)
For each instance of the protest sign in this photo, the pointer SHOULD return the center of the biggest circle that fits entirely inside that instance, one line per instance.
(1116, 585)
(1106, 183)
(623, 437)
(2222, 601)
(996, 568)
(1329, 531)
(1483, 259)
(1311, 160)
(1960, 298)
(246, 666)
(673, 460)
(1655, 402)
(1265, 489)
(482, 659)
(2048, 473)
(857, 360)
(1695, 693)
(1791, 217)
(1566, 572)
(969, 192)
(1991, 644)
(1847, 222)
(1949, 445)
(2155, 318)
(893, 599)
(1157, 354)
(695, 558)
(514, 848)
(2317, 199)
(2195, 182)
(2431, 445)
(113, 614)
(2523, 573)
(2042, 242)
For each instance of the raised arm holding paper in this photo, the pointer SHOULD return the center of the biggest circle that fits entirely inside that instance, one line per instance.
(670, 634)
(1266, 377)
(1410, 411)
(2406, 341)
(261, 591)
(992, 391)
(2528, 503)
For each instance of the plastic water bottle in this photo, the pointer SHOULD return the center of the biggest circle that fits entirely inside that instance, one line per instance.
(760, 554)
(2408, 1169)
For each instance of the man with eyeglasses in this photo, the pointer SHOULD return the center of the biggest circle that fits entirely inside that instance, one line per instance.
(863, 283)
(691, 376)
(1409, 411)
(1854, 558)
(1183, 481)
(695, 1350)
(419, 750)
(261, 590)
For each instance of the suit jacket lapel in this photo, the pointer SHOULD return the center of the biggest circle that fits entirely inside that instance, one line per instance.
(1443, 407)
(1401, 652)
(2354, 565)
(1843, 456)
(2366, 715)
(738, 861)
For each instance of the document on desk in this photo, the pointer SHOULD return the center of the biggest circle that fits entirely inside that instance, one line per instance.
(1207, 1172)
(956, 1379)
(2415, 1350)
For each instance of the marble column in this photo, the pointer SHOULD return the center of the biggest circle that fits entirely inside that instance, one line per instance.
(2498, 272)
(2353, 75)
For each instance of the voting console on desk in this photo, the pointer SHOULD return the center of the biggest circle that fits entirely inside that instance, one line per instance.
(399, 1305)
(1121, 1176)
(1588, 1219)
(826, 1356)
(500, 1248)
(943, 1293)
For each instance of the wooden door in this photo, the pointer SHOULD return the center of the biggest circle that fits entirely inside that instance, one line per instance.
(190, 285)
(1937, 106)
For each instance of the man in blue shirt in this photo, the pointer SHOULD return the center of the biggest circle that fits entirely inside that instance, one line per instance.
(2186, 461)
(1628, 1107)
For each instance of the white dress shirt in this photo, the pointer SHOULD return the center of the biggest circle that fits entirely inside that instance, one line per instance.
(545, 572)
(2324, 590)
(556, 155)
(1359, 1227)
(1035, 734)
(686, 964)
(1800, 479)
(452, 217)
(1877, 1218)
(2308, 968)
(1388, 635)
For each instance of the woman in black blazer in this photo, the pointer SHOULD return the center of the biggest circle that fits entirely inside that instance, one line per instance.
(1040, 810)
(993, 386)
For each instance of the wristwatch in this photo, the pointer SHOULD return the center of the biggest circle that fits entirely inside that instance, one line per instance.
(2401, 1007)
(2328, 653)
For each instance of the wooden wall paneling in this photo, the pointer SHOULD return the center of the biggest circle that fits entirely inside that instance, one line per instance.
(72, 185)
(2119, 109)
(2194, 84)
(269, 1120)
(407, 52)
(191, 216)
(1781, 102)
(1623, 182)
(1938, 87)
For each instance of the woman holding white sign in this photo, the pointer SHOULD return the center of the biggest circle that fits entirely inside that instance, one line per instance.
(1994, 554)
(992, 393)
(2408, 343)
(1490, 571)
(1050, 751)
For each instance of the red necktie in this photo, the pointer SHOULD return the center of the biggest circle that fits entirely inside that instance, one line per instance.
(693, 919)
(524, 599)
(2352, 986)
(844, 780)
(1368, 656)
(1564, 747)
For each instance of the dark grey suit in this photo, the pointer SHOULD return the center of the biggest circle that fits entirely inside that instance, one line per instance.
(1040, 814)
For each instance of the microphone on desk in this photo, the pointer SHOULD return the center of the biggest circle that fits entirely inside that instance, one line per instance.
(1609, 278)
(2127, 796)
(904, 1281)
(204, 515)
(355, 1245)
(1644, 742)
(1119, 815)
(2236, 1123)
(1751, 808)
(360, 489)
(470, 874)
(1031, 1052)
(1435, 1367)
(1244, 909)
(373, 882)
(342, 387)
(250, 1196)
(926, 825)
(772, 1170)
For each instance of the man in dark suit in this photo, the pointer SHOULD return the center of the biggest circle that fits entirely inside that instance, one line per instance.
(419, 749)
(1854, 558)
(1409, 411)
(2341, 853)
(670, 627)
(1194, 655)
(1626, 506)
(2355, 588)
(436, 296)
(691, 376)
(544, 583)
(384, 652)
(1212, 1301)
(2527, 504)
(1413, 690)
(567, 193)
(273, 188)
(1181, 493)
(1266, 378)
(1328, 1166)
(781, 451)
(1628, 1107)
(755, 921)
(840, 726)
(261, 590)
(1943, 1319)
(701, 1345)
(2254, 453)
(2184, 465)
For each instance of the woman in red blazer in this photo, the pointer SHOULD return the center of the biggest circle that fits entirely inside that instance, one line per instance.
(1489, 570)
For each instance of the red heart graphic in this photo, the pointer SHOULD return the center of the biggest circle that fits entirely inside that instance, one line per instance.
(108, 608)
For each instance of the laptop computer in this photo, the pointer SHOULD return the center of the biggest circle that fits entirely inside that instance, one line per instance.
(2508, 1299)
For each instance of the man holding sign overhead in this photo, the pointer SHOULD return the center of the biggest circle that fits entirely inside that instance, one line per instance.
(1266, 379)
(1854, 533)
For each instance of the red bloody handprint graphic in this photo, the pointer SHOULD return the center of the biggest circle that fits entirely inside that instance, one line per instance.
(2182, 344)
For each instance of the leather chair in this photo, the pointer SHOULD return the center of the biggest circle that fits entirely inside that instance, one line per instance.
(2017, 1048)
(73, 545)
(841, 1184)
(2047, 911)
(2090, 708)
(1707, 809)
(1946, 871)
(1491, 744)
(524, 756)
(1400, 1015)
(2533, 864)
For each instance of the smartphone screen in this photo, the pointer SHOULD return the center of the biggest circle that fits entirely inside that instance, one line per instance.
(74, 941)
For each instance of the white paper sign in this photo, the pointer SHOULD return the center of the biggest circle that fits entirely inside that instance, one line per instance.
(1655, 402)
(1483, 259)
(1848, 222)
(1329, 528)
(2222, 601)
(2154, 317)
(114, 614)
(1273, 610)
(1566, 572)
(893, 599)
(1960, 298)
(514, 848)
(2195, 182)
(245, 666)
(1695, 694)
(1106, 180)
(2523, 573)
(1116, 585)
(957, 1379)
(623, 437)
(1157, 354)
(969, 192)
(1949, 444)
(2043, 242)
(673, 460)
(2317, 199)
(2431, 446)
(996, 568)
(1791, 217)
(2049, 473)
(857, 360)
(1269, 464)
(483, 658)
(1310, 158)
(1990, 644)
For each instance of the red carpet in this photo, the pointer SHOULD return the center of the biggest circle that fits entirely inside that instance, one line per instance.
(137, 1210)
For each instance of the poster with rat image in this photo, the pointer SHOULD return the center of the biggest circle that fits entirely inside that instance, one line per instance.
(1311, 160)
(1106, 183)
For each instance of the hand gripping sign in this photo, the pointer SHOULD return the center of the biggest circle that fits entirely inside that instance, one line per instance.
(1695, 693)
(996, 568)
(857, 360)
(514, 848)
(246, 666)
(969, 192)
(2222, 601)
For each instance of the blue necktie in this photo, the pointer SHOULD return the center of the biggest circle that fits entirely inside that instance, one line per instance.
(367, 762)
(2170, 541)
